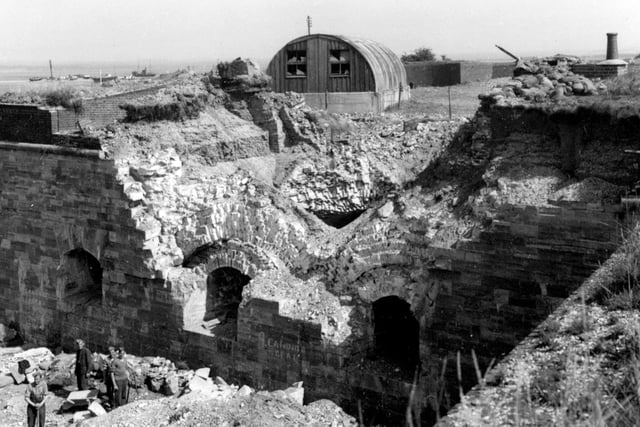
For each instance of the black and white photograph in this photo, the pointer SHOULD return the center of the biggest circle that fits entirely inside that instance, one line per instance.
(356, 213)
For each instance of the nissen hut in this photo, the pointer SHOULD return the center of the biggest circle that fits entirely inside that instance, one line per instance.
(340, 74)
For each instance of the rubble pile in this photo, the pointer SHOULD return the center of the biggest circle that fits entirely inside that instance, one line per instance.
(192, 396)
(361, 158)
(543, 80)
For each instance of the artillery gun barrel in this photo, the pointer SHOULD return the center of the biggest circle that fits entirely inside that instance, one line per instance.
(508, 53)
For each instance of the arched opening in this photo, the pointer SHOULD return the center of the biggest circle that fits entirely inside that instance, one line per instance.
(224, 294)
(82, 277)
(338, 219)
(396, 335)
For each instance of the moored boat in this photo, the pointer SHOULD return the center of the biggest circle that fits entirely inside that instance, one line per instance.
(143, 73)
(105, 78)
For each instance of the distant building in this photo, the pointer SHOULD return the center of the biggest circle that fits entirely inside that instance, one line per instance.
(449, 73)
(340, 74)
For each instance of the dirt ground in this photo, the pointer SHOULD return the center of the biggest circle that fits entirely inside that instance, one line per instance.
(434, 101)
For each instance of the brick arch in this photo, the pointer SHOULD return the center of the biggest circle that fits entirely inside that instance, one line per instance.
(247, 259)
(352, 265)
(70, 237)
(417, 288)
(271, 230)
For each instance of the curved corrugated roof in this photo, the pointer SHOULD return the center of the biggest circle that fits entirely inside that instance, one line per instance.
(388, 70)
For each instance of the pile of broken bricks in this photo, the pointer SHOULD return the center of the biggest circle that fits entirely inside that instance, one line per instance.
(158, 373)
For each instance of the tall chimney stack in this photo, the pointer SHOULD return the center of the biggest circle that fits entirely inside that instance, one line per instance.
(612, 45)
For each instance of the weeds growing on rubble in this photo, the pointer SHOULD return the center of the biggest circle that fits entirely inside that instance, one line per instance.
(59, 97)
(626, 84)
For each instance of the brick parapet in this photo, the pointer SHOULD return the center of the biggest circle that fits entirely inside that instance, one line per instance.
(37, 124)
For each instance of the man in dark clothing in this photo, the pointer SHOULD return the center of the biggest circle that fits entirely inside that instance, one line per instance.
(84, 363)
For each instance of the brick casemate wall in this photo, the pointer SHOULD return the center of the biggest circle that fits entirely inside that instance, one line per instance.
(495, 289)
(55, 199)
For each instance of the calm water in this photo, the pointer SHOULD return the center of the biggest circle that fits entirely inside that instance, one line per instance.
(15, 78)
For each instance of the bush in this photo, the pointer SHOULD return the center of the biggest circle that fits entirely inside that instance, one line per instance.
(62, 97)
(627, 84)
(420, 54)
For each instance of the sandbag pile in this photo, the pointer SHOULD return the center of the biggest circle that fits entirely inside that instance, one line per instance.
(543, 80)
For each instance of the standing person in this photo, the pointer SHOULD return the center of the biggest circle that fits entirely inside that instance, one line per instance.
(35, 397)
(84, 363)
(120, 377)
(107, 369)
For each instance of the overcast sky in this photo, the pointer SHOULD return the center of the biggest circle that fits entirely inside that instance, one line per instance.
(196, 30)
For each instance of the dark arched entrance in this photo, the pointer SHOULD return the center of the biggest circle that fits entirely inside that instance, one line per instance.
(396, 335)
(224, 294)
(82, 277)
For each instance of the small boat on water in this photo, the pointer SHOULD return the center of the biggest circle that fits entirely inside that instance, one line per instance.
(143, 73)
(36, 79)
(105, 78)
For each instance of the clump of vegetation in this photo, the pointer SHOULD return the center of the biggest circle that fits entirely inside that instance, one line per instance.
(580, 324)
(29, 97)
(548, 332)
(623, 293)
(544, 385)
(61, 97)
(420, 54)
(178, 107)
(626, 84)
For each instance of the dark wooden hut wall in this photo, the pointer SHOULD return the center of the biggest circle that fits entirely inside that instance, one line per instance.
(319, 78)
(278, 70)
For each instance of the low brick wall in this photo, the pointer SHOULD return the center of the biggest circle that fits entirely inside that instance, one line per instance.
(36, 124)
(99, 112)
(599, 70)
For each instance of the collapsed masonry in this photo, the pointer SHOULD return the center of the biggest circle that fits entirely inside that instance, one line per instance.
(197, 240)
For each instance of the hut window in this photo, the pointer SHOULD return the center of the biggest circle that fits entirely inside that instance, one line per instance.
(339, 62)
(296, 63)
